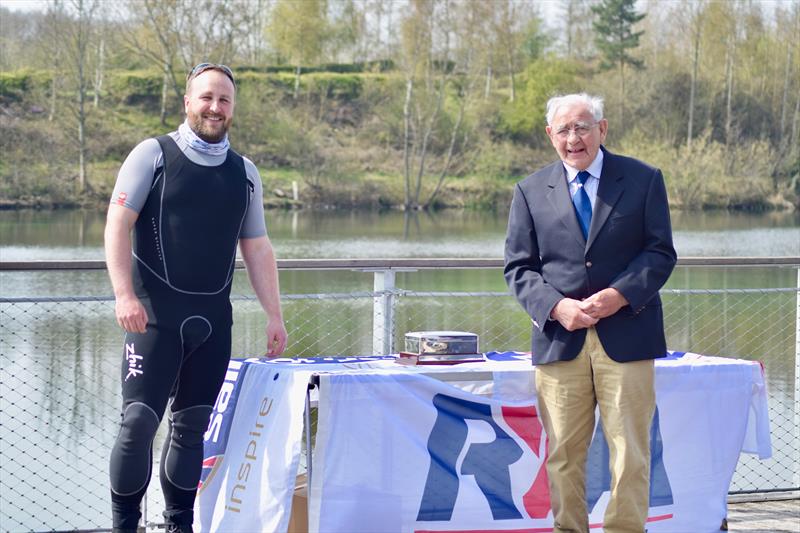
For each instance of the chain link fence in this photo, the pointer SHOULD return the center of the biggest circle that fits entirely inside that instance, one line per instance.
(60, 359)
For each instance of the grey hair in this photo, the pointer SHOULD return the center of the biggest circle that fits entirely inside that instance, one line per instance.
(593, 103)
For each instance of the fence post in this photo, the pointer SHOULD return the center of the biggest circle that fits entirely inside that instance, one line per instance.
(797, 386)
(383, 312)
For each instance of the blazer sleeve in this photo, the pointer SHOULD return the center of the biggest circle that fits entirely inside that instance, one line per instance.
(523, 264)
(651, 268)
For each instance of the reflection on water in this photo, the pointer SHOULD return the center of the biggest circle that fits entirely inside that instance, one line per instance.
(60, 361)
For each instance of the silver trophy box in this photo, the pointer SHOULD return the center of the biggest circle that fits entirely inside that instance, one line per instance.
(441, 347)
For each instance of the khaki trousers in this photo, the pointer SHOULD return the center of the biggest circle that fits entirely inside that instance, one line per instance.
(568, 392)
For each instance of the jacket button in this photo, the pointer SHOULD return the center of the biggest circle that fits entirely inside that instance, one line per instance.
(588, 264)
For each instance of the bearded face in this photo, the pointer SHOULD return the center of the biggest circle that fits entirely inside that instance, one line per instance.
(209, 105)
(209, 126)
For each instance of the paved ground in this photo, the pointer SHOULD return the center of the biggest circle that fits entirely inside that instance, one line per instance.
(782, 516)
(778, 516)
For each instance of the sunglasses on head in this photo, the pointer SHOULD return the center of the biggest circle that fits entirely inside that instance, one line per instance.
(202, 67)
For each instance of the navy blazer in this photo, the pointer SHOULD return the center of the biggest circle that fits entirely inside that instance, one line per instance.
(629, 247)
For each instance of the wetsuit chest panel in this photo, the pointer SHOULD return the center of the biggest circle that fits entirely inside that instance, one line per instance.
(194, 216)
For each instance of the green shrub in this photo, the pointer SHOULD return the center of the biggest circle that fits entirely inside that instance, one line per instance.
(135, 87)
(708, 174)
(541, 80)
(334, 85)
(15, 86)
(383, 65)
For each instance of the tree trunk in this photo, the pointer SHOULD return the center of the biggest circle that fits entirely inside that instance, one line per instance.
(296, 82)
(730, 57)
(793, 140)
(729, 89)
(510, 65)
(622, 91)
(569, 29)
(55, 35)
(407, 142)
(729, 100)
(53, 90)
(693, 86)
(488, 88)
(81, 148)
(423, 151)
(81, 43)
(164, 92)
(376, 52)
(167, 56)
(99, 71)
(785, 96)
(449, 157)
(509, 45)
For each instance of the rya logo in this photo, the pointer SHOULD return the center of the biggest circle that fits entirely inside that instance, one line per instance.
(495, 463)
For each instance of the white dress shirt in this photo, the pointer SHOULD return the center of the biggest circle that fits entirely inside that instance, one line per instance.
(595, 169)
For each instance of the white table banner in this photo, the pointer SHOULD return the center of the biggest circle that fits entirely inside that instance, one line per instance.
(252, 449)
(403, 452)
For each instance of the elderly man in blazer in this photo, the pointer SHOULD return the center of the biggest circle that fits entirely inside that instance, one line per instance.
(588, 247)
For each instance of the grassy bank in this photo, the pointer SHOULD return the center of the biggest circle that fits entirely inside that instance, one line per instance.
(341, 144)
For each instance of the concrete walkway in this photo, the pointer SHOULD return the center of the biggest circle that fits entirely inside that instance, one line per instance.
(777, 516)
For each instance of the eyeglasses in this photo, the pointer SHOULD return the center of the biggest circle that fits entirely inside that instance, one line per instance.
(580, 128)
(202, 67)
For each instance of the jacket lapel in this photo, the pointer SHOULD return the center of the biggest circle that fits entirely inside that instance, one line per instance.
(608, 193)
(558, 195)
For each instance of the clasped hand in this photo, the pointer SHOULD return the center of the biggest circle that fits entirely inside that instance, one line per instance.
(577, 314)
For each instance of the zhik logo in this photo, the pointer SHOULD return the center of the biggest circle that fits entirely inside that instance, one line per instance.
(134, 362)
(490, 462)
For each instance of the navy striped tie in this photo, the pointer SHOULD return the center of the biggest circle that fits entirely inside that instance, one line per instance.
(583, 207)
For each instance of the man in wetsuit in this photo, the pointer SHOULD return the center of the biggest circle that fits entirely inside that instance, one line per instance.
(189, 199)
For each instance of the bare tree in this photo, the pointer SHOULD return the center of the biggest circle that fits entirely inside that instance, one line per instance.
(155, 35)
(78, 33)
(789, 27)
(792, 38)
(578, 31)
(213, 30)
(420, 107)
(469, 32)
(730, 60)
(695, 10)
(253, 14)
(506, 23)
(298, 30)
(53, 46)
(347, 38)
(99, 62)
(437, 61)
(177, 34)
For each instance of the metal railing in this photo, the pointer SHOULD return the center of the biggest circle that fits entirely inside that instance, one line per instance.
(60, 355)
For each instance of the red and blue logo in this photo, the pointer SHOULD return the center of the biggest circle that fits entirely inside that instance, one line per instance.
(490, 464)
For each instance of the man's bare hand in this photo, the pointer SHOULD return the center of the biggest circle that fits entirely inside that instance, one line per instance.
(276, 338)
(569, 313)
(603, 303)
(131, 315)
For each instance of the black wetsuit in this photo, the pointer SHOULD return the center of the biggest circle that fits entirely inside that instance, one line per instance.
(185, 249)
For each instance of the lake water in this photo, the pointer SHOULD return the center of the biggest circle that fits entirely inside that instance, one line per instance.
(72, 234)
(60, 360)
